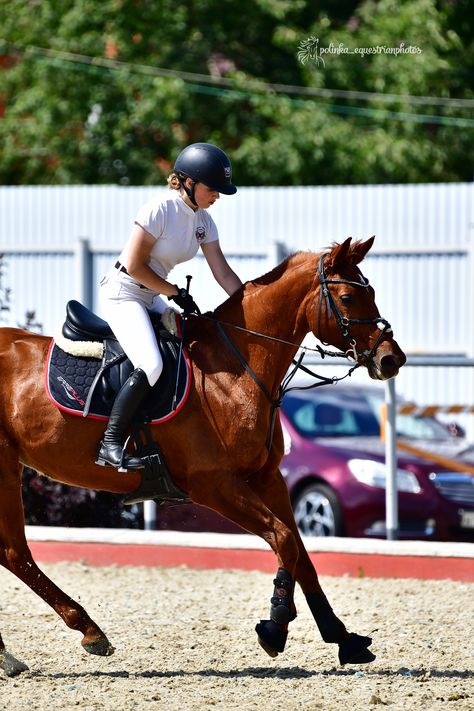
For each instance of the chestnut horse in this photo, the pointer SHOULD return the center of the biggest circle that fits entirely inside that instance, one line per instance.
(217, 447)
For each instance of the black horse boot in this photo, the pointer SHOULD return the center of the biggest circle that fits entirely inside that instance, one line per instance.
(129, 398)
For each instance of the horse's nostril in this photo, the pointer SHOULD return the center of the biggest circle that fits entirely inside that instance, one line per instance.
(389, 363)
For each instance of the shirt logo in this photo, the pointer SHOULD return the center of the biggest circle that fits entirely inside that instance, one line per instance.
(200, 235)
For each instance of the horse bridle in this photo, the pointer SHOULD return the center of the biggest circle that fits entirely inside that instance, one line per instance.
(361, 357)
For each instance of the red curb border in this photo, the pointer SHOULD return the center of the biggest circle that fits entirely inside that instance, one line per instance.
(337, 564)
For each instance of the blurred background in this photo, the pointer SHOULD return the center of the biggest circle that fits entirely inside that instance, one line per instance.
(340, 117)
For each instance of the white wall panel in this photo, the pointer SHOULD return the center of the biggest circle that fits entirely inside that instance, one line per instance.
(301, 217)
(41, 283)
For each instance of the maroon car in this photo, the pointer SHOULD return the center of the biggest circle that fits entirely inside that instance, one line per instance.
(335, 471)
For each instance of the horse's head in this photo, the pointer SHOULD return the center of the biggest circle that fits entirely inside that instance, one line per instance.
(347, 316)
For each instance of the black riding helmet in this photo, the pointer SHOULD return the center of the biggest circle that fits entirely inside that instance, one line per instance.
(205, 163)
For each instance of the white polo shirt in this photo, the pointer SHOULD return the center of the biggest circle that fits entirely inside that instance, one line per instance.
(178, 230)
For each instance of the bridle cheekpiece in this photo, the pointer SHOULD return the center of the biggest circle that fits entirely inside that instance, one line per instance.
(344, 323)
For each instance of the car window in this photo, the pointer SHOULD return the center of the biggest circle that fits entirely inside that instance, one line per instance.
(331, 418)
(410, 426)
(349, 413)
(420, 428)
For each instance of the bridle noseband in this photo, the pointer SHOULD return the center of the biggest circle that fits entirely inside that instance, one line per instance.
(361, 357)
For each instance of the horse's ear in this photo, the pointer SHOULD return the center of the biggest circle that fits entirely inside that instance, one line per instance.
(339, 254)
(359, 249)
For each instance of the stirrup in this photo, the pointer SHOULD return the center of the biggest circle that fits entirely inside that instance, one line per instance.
(123, 465)
(156, 482)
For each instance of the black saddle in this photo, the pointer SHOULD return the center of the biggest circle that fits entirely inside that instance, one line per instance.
(86, 386)
(81, 324)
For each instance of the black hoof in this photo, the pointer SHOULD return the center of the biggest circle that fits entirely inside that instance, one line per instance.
(100, 646)
(271, 637)
(10, 665)
(354, 650)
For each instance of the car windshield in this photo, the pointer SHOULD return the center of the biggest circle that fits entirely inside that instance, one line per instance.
(352, 413)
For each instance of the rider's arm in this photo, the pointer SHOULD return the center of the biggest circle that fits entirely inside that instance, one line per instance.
(220, 268)
(141, 244)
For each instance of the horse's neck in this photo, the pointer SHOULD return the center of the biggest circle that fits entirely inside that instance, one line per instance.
(274, 305)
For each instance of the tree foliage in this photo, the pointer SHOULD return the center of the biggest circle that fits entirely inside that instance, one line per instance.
(82, 99)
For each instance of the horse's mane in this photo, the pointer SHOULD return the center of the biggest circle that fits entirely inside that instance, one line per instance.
(252, 285)
(293, 260)
(353, 254)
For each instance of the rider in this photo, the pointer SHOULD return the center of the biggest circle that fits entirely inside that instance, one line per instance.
(166, 231)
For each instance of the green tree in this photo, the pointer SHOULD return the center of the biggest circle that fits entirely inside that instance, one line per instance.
(115, 118)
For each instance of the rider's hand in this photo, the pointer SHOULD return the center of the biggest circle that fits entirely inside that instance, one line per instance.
(185, 301)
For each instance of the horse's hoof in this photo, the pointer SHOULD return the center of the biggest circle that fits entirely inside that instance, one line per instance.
(354, 650)
(271, 637)
(271, 652)
(101, 647)
(10, 665)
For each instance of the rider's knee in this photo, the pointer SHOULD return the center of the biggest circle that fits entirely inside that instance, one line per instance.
(153, 373)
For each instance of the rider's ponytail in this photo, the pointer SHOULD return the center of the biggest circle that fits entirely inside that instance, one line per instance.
(173, 181)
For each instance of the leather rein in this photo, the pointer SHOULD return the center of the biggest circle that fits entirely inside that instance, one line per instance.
(360, 357)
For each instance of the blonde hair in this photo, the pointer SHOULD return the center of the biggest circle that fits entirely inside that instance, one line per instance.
(173, 181)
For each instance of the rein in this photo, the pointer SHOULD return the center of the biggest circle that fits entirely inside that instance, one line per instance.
(322, 352)
(360, 358)
(284, 385)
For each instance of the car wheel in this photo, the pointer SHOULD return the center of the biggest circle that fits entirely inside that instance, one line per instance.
(317, 512)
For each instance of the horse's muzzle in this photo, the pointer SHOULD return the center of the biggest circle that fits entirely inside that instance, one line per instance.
(387, 362)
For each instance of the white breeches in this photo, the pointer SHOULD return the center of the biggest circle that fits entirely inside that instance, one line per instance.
(126, 307)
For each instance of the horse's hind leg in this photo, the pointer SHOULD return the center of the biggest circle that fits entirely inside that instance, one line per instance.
(8, 663)
(16, 557)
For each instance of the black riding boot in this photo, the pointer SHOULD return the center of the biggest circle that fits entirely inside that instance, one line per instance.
(128, 400)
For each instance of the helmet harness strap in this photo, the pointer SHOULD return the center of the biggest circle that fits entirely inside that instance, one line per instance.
(189, 191)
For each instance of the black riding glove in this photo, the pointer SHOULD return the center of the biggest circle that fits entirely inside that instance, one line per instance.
(185, 301)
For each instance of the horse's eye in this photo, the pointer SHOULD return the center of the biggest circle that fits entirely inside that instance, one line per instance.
(347, 298)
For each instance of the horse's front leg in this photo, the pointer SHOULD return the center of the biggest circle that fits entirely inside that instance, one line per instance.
(236, 500)
(16, 557)
(353, 648)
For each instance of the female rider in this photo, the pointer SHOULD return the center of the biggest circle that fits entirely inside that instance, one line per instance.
(166, 232)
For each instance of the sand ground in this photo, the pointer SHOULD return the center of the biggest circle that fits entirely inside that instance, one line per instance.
(185, 639)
